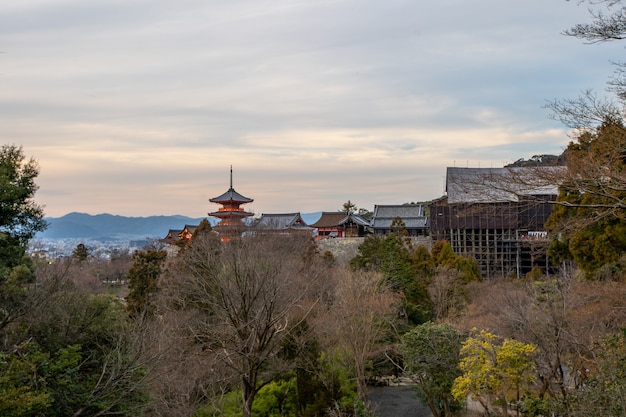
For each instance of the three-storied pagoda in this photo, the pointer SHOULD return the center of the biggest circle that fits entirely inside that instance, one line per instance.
(230, 214)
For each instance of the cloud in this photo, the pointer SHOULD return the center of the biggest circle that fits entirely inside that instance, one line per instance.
(140, 107)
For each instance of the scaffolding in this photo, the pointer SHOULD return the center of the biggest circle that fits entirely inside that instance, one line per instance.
(505, 238)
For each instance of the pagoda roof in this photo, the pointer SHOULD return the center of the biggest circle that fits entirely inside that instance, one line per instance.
(229, 213)
(338, 218)
(231, 195)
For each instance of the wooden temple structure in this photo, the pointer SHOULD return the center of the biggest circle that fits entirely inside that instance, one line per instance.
(496, 218)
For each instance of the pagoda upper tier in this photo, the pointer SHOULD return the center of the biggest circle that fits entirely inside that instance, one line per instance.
(230, 214)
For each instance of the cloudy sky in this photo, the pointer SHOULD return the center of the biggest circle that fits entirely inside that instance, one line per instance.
(140, 107)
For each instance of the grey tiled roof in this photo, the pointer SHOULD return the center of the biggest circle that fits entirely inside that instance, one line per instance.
(409, 223)
(495, 185)
(281, 221)
(412, 215)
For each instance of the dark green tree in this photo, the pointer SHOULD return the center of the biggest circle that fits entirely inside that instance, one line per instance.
(81, 252)
(203, 228)
(20, 219)
(391, 256)
(431, 358)
(423, 263)
(20, 216)
(142, 280)
(445, 258)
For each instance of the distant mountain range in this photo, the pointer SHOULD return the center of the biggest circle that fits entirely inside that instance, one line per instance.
(88, 226)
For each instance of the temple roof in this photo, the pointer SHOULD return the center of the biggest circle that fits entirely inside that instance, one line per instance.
(498, 185)
(281, 221)
(231, 195)
(338, 218)
(411, 214)
(229, 213)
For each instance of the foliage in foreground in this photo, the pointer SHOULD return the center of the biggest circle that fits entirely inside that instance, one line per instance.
(494, 370)
(71, 355)
(431, 357)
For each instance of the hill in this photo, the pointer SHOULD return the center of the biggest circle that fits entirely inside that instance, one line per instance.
(87, 226)
(101, 226)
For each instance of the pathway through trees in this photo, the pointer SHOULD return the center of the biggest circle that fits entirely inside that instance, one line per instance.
(397, 401)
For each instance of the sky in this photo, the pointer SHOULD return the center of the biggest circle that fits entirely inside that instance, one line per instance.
(140, 107)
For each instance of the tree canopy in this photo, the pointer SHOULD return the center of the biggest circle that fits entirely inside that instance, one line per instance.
(431, 358)
(589, 221)
(20, 216)
(492, 367)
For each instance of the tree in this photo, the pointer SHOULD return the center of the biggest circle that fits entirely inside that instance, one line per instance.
(78, 350)
(81, 252)
(243, 298)
(142, 281)
(359, 320)
(491, 368)
(606, 26)
(431, 358)
(588, 223)
(445, 258)
(604, 391)
(20, 216)
(365, 213)
(391, 256)
(349, 207)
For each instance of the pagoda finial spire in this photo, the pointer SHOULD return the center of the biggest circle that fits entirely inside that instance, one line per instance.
(231, 177)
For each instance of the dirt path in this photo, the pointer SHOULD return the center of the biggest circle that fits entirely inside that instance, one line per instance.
(397, 401)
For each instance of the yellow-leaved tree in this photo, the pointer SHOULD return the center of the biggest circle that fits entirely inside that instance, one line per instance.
(494, 370)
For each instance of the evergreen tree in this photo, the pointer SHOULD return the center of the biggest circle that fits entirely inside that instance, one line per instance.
(589, 221)
(142, 280)
(81, 252)
(20, 216)
(392, 256)
(431, 357)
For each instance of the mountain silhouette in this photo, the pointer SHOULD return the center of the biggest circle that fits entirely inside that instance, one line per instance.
(81, 225)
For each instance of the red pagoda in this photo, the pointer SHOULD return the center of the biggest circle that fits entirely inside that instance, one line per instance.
(230, 214)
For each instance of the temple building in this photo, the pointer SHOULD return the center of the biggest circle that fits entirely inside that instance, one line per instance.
(231, 215)
(414, 217)
(340, 224)
(281, 223)
(497, 216)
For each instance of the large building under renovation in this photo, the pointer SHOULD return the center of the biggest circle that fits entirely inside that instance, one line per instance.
(497, 216)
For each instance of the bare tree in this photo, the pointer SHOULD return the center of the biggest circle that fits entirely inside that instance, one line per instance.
(243, 298)
(358, 319)
(448, 293)
(563, 317)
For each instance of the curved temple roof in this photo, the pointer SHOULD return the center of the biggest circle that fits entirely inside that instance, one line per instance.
(231, 195)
